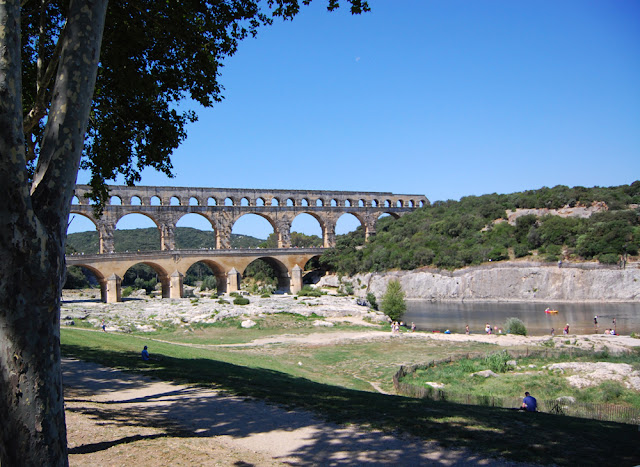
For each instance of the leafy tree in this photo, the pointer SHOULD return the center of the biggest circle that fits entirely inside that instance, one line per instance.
(515, 326)
(154, 55)
(75, 279)
(393, 304)
(298, 240)
(371, 298)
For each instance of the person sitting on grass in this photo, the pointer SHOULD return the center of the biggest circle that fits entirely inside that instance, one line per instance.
(529, 403)
(145, 354)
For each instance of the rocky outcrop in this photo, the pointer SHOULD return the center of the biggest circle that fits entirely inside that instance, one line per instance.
(566, 211)
(509, 281)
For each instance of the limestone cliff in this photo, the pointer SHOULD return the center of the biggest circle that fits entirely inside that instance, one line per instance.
(509, 281)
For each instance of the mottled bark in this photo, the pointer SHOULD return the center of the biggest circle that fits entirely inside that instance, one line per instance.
(33, 235)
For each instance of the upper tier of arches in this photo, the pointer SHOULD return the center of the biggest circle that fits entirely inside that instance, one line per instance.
(184, 196)
(329, 207)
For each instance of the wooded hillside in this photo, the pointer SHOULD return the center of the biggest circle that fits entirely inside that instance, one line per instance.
(454, 234)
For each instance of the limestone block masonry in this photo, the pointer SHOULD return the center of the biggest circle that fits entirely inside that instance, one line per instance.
(222, 207)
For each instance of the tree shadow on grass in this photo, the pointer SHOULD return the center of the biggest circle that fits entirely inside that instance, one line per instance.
(538, 437)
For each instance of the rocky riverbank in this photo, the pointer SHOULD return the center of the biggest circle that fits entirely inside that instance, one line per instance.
(507, 281)
(143, 313)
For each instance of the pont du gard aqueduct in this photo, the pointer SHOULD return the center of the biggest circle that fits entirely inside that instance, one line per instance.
(222, 207)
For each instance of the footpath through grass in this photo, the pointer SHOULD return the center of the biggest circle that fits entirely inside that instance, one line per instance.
(272, 375)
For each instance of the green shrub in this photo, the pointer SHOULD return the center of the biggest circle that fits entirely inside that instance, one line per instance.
(515, 326)
(307, 291)
(371, 298)
(127, 291)
(209, 283)
(521, 250)
(497, 362)
(608, 258)
(265, 295)
(240, 301)
(76, 279)
(610, 391)
(393, 304)
(222, 301)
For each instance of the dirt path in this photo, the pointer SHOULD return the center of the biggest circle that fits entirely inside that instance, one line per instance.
(116, 418)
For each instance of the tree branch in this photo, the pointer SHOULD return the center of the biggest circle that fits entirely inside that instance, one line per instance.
(13, 176)
(39, 109)
(63, 140)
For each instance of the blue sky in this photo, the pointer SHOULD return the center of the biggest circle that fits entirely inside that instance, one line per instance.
(445, 98)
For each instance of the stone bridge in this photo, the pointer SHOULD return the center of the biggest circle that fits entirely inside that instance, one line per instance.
(222, 207)
(171, 267)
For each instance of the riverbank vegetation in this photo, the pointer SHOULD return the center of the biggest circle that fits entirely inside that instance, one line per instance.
(531, 373)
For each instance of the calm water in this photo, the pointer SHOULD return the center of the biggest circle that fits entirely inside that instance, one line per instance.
(454, 316)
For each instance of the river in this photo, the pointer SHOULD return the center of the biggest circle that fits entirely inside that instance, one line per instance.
(455, 315)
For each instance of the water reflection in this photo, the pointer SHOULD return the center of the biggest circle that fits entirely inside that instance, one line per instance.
(454, 316)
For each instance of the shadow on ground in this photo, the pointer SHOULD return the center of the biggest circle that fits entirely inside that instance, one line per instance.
(265, 404)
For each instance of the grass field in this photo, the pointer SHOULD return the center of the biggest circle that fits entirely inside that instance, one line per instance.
(531, 375)
(334, 381)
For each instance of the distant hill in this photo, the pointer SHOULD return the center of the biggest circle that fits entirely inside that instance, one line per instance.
(149, 239)
(476, 229)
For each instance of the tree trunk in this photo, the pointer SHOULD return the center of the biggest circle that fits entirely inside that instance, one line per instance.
(33, 235)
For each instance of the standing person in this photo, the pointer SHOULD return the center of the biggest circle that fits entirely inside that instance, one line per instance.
(595, 321)
(553, 332)
(529, 403)
(614, 323)
(565, 331)
(466, 329)
(413, 326)
(104, 326)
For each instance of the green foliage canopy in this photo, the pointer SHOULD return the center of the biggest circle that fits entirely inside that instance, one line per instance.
(393, 304)
(455, 234)
(153, 56)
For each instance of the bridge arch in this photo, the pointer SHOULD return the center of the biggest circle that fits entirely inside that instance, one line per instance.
(133, 218)
(216, 268)
(251, 217)
(309, 221)
(83, 215)
(102, 280)
(282, 273)
(161, 273)
(346, 220)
